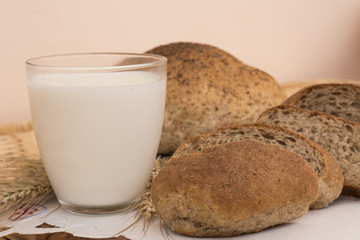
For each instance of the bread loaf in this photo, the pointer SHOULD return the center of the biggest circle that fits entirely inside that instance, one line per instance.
(230, 189)
(207, 88)
(339, 136)
(329, 173)
(340, 100)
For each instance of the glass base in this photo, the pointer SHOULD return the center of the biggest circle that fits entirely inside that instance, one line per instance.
(95, 210)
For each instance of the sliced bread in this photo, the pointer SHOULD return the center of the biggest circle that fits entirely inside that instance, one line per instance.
(329, 173)
(340, 100)
(339, 136)
(231, 189)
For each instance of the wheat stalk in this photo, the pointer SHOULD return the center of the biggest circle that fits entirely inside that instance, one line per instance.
(143, 205)
(146, 208)
(22, 181)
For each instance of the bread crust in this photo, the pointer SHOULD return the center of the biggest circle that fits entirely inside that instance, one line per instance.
(233, 188)
(338, 136)
(329, 173)
(208, 88)
(338, 99)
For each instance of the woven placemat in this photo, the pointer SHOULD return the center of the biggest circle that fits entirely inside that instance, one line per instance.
(18, 140)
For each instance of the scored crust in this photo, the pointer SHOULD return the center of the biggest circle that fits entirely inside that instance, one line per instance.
(233, 188)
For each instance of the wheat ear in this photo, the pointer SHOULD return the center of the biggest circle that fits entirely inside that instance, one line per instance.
(143, 205)
(22, 181)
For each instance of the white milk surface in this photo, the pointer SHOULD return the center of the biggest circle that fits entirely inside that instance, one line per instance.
(98, 134)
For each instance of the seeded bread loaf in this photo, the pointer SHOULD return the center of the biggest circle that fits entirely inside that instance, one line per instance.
(207, 88)
(329, 173)
(339, 136)
(340, 100)
(230, 189)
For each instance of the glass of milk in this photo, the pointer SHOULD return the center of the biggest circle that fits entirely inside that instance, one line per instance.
(97, 119)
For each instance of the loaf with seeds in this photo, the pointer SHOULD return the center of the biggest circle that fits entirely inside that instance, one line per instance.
(208, 88)
(339, 136)
(338, 99)
(229, 189)
(328, 171)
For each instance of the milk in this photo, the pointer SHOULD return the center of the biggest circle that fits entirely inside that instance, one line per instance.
(97, 133)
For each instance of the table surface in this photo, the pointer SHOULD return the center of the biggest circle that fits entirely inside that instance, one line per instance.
(338, 221)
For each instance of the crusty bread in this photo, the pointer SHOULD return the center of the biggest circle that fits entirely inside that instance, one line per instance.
(339, 99)
(339, 136)
(329, 172)
(234, 188)
(207, 88)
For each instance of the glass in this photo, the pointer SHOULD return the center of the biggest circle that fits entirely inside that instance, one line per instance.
(97, 119)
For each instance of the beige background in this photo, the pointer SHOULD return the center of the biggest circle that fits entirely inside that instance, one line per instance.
(290, 39)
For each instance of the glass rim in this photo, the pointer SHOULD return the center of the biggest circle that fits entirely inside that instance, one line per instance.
(158, 60)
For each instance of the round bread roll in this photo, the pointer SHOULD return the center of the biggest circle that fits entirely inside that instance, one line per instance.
(208, 88)
(233, 188)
